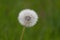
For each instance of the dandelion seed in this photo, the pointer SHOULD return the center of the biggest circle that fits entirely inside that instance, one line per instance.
(28, 17)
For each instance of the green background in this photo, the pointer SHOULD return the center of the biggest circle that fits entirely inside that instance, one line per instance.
(47, 27)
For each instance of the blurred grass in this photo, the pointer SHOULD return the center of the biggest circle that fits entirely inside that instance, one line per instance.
(47, 27)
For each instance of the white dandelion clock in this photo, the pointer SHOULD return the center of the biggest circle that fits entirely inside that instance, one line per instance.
(28, 17)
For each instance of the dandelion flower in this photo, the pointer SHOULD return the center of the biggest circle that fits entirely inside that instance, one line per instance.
(27, 17)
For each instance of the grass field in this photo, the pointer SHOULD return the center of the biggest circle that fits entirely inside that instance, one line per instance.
(47, 27)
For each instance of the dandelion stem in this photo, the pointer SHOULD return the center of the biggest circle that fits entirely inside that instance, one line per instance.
(22, 33)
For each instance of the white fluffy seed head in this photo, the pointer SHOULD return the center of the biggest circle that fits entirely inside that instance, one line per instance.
(27, 17)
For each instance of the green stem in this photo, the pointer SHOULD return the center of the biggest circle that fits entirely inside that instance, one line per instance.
(22, 33)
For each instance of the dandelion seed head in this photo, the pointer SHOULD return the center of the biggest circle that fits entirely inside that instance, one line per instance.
(27, 17)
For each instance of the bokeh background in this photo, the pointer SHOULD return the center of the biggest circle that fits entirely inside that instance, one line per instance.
(47, 27)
